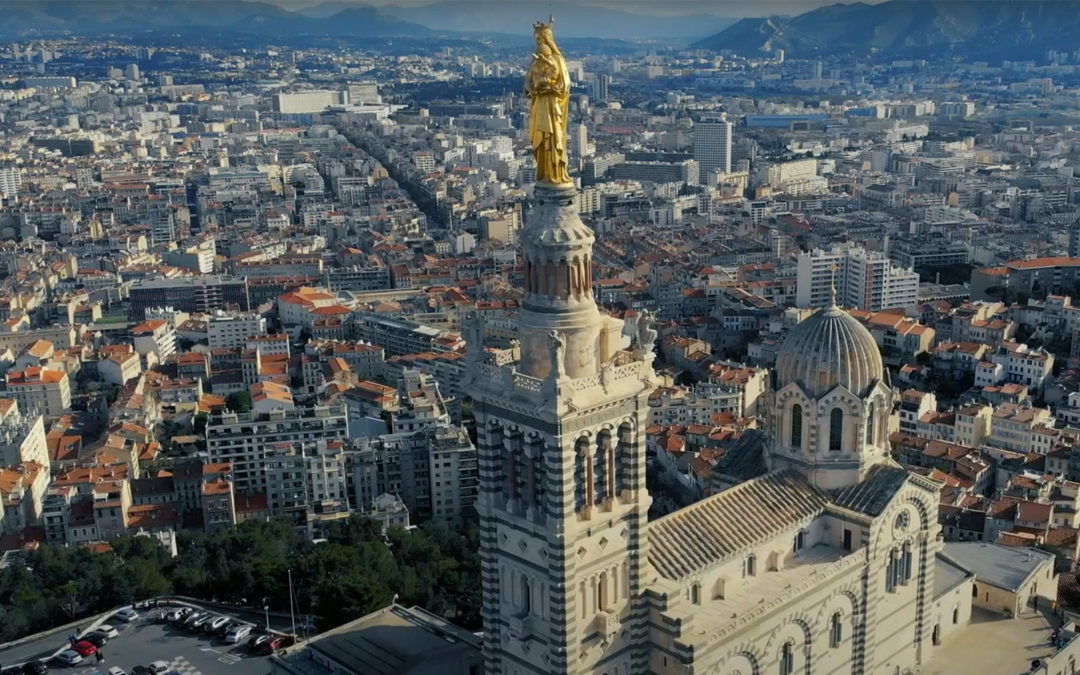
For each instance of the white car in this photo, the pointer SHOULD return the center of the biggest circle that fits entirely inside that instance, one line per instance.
(115, 670)
(127, 615)
(107, 630)
(214, 624)
(69, 657)
(158, 667)
(238, 634)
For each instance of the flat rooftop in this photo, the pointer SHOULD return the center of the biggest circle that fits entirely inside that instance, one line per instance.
(993, 644)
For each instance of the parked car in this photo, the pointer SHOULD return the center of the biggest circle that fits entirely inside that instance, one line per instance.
(238, 634)
(115, 670)
(107, 630)
(84, 648)
(275, 643)
(178, 614)
(255, 642)
(96, 638)
(197, 623)
(158, 667)
(127, 614)
(69, 657)
(215, 623)
(223, 630)
(35, 668)
(192, 618)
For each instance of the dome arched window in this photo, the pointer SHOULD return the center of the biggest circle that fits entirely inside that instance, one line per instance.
(796, 426)
(836, 429)
(870, 426)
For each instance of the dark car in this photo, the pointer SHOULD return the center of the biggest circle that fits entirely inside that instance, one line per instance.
(257, 641)
(97, 639)
(35, 668)
(223, 630)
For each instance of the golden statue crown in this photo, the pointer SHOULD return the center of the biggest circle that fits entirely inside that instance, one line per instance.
(540, 25)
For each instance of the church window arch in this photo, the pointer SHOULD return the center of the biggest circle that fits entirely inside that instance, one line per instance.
(624, 457)
(787, 659)
(836, 429)
(526, 594)
(836, 630)
(870, 426)
(580, 475)
(796, 426)
(601, 469)
(750, 565)
(601, 592)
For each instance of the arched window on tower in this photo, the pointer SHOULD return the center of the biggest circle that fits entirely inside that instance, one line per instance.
(787, 659)
(836, 429)
(580, 487)
(600, 473)
(526, 595)
(836, 630)
(796, 426)
(870, 426)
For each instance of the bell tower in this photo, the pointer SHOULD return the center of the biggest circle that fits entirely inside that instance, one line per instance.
(562, 501)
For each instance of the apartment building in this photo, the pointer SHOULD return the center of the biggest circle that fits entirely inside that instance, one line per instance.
(155, 336)
(39, 389)
(244, 439)
(862, 279)
(226, 330)
(204, 293)
(22, 436)
(1014, 426)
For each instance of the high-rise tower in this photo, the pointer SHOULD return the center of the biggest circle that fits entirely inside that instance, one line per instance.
(712, 144)
(562, 500)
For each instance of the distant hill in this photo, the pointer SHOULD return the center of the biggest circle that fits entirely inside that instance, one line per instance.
(573, 18)
(982, 29)
(27, 19)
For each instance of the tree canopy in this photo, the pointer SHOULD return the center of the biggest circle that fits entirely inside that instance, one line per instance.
(355, 571)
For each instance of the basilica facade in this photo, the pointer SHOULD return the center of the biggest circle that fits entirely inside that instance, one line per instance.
(822, 560)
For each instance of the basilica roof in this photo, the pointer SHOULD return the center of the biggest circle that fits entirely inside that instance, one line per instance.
(873, 494)
(705, 533)
(828, 349)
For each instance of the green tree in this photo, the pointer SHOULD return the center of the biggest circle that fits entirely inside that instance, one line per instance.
(239, 401)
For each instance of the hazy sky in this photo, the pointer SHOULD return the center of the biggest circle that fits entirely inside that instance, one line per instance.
(668, 7)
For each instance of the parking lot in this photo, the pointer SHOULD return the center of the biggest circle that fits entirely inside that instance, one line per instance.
(148, 640)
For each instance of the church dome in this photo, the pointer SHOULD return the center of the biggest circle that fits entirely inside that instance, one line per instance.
(828, 349)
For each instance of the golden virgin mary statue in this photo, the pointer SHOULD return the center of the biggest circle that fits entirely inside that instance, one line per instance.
(547, 84)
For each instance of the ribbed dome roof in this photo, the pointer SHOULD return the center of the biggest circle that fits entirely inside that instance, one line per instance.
(829, 348)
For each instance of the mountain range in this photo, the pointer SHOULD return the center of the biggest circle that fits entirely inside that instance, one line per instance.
(338, 18)
(992, 30)
(26, 19)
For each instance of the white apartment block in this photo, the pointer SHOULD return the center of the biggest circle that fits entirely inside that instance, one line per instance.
(232, 330)
(10, 181)
(247, 439)
(22, 437)
(796, 178)
(40, 389)
(863, 280)
(300, 476)
(155, 336)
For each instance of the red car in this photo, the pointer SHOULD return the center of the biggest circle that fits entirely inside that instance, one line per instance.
(276, 643)
(84, 648)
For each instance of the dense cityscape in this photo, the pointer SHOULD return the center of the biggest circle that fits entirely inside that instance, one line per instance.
(388, 349)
